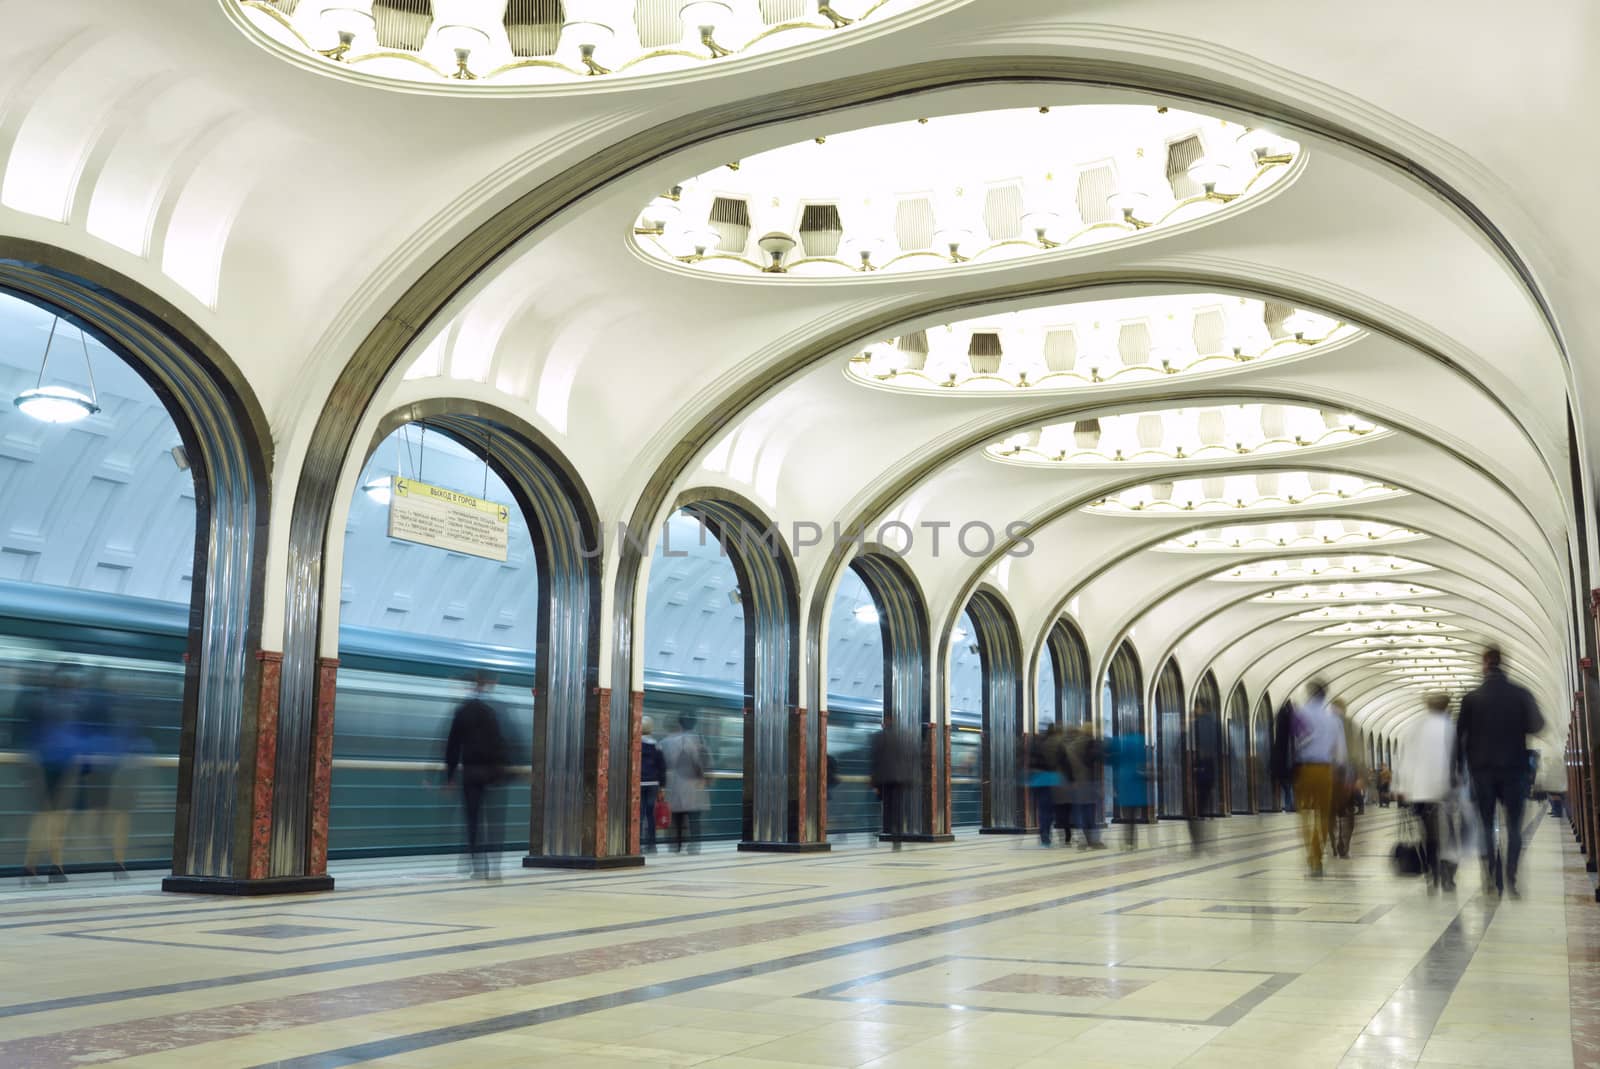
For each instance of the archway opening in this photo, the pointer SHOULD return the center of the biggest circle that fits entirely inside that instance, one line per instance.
(424, 621)
(732, 620)
(924, 811)
(966, 725)
(855, 685)
(1238, 750)
(694, 673)
(98, 521)
(1122, 701)
(1262, 796)
(1207, 740)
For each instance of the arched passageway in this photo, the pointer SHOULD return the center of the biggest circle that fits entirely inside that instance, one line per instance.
(903, 619)
(1206, 799)
(774, 751)
(419, 626)
(1238, 727)
(1122, 703)
(1000, 661)
(1171, 756)
(574, 725)
(853, 710)
(965, 712)
(187, 392)
(1263, 797)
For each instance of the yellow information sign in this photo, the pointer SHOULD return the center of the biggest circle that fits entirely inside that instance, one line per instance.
(448, 519)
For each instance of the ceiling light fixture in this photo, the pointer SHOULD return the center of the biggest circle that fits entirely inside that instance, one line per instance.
(57, 403)
(701, 19)
(585, 30)
(865, 614)
(461, 40)
(350, 21)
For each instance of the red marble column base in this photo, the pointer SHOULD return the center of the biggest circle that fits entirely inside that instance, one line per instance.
(822, 775)
(322, 766)
(601, 803)
(266, 764)
(636, 732)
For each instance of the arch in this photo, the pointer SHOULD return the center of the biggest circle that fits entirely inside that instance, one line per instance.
(1263, 793)
(1069, 660)
(907, 683)
(1209, 695)
(778, 762)
(1171, 766)
(1236, 798)
(575, 724)
(1000, 658)
(1122, 713)
(217, 836)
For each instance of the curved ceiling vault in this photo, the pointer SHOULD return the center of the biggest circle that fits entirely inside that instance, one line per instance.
(1145, 316)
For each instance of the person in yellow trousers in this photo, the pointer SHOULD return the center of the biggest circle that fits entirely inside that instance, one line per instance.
(1319, 751)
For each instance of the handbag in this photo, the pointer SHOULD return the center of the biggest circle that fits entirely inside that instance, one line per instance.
(1406, 858)
(663, 814)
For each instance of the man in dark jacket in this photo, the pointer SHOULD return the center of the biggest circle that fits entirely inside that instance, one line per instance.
(893, 771)
(1492, 739)
(476, 748)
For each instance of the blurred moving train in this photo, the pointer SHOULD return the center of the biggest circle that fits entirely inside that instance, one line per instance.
(394, 699)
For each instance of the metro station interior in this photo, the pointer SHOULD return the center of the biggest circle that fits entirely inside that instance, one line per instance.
(842, 403)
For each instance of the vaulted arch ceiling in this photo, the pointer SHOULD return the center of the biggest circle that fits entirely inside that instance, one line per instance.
(288, 209)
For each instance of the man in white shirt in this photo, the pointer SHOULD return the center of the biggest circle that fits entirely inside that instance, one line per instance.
(1319, 748)
(1424, 780)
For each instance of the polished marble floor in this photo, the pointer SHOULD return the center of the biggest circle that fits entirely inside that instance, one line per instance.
(989, 951)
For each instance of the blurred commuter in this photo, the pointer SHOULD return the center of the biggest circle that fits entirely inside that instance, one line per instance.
(652, 773)
(893, 772)
(1283, 755)
(49, 713)
(1044, 777)
(109, 773)
(1205, 733)
(476, 749)
(1492, 739)
(1319, 750)
(688, 767)
(1425, 782)
(1348, 783)
(1083, 759)
(1130, 780)
(1385, 779)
